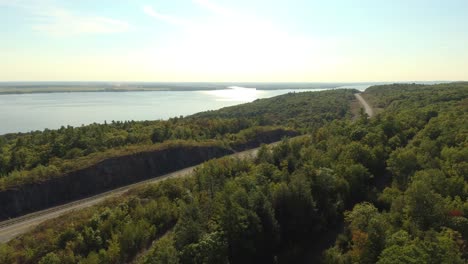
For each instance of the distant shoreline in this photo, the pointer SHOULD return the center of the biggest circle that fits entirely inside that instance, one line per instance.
(77, 90)
(12, 88)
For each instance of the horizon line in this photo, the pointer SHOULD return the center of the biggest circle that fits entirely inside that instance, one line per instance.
(400, 81)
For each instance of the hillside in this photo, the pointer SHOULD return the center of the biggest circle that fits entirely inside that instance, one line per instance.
(24, 157)
(46, 168)
(304, 110)
(390, 189)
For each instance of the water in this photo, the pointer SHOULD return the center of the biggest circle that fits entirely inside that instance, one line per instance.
(27, 112)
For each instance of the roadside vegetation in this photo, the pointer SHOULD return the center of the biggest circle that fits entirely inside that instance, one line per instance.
(390, 189)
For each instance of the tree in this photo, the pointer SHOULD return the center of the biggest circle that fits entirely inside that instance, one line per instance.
(435, 248)
(295, 210)
(50, 258)
(163, 251)
(402, 163)
(424, 207)
(134, 236)
(240, 224)
(188, 229)
(361, 215)
(367, 232)
(6, 254)
(211, 248)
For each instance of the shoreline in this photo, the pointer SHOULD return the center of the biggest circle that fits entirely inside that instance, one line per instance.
(19, 91)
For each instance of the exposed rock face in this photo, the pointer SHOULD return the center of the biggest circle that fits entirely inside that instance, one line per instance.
(116, 172)
(106, 175)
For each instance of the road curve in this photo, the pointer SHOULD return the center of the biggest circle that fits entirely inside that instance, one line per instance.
(12, 228)
(366, 106)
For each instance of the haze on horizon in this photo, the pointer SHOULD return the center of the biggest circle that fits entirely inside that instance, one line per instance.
(243, 40)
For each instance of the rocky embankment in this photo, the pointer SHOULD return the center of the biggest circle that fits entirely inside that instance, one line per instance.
(116, 172)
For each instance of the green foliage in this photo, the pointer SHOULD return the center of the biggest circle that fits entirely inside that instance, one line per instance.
(360, 216)
(39, 155)
(434, 248)
(163, 251)
(424, 135)
(401, 176)
(6, 254)
(424, 207)
(308, 109)
(110, 233)
(50, 258)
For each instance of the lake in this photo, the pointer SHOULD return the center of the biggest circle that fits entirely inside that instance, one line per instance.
(26, 112)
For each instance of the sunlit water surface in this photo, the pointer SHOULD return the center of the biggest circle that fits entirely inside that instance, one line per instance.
(26, 112)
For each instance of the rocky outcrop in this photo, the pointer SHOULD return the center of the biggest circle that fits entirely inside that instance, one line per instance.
(104, 176)
(117, 172)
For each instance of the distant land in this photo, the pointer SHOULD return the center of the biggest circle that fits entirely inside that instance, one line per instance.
(64, 87)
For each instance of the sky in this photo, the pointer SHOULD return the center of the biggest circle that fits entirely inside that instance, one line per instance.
(233, 41)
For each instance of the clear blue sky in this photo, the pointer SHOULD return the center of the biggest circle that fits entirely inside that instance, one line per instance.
(242, 40)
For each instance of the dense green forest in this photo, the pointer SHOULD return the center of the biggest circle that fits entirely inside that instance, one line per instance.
(299, 110)
(390, 189)
(29, 157)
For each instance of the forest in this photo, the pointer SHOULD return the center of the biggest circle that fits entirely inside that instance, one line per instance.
(387, 189)
(38, 155)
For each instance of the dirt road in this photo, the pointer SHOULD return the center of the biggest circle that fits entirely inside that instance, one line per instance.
(366, 106)
(11, 228)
